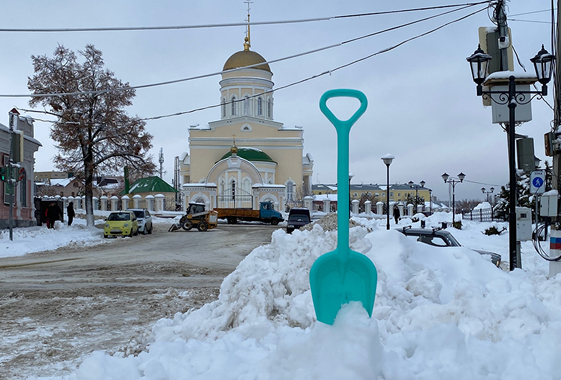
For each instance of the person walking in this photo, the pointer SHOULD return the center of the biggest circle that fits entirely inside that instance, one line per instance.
(53, 214)
(70, 212)
(396, 214)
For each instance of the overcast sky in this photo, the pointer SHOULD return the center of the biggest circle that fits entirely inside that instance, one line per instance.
(423, 108)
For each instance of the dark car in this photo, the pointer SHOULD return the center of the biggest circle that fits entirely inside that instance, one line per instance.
(442, 238)
(297, 217)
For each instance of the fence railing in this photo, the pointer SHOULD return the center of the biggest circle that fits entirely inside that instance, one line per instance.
(480, 215)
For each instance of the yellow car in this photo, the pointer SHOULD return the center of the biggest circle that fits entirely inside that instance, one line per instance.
(120, 223)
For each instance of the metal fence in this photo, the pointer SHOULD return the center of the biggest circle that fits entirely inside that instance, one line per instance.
(237, 201)
(480, 215)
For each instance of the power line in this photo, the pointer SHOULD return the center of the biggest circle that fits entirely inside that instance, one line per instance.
(176, 27)
(531, 13)
(534, 21)
(308, 78)
(242, 68)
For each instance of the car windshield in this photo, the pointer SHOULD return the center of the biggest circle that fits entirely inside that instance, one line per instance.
(298, 217)
(139, 213)
(119, 216)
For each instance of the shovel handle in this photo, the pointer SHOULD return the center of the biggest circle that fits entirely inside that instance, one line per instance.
(346, 93)
(343, 128)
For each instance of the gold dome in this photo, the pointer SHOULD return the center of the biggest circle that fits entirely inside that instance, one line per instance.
(246, 58)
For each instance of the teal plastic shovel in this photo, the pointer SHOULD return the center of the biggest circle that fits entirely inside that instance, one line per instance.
(341, 276)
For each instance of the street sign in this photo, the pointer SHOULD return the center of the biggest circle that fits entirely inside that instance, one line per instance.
(537, 182)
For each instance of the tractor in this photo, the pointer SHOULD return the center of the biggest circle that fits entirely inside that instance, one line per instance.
(196, 216)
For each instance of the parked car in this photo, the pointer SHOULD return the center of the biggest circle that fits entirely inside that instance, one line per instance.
(297, 217)
(442, 238)
(120, 223)
(144, 220)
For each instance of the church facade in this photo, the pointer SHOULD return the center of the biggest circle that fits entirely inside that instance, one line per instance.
(245, 157)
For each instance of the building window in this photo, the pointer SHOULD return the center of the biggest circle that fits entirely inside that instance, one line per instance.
(233, 106)
(289, 191)
(223, 107)
(23, 190)
(260, 106)
(269, 108)
(246, 106)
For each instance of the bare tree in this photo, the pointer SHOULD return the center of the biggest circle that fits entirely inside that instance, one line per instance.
(93, 133)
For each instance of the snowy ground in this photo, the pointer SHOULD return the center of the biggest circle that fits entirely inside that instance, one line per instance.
(440, 313)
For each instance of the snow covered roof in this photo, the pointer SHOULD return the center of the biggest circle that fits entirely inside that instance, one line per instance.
(150, 185)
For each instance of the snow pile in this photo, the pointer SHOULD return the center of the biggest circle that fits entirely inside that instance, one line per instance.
(440, 313)
(38, 239)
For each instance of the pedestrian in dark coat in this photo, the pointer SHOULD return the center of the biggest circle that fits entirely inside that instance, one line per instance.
(396, 214)
(53, 214)
(70, 212)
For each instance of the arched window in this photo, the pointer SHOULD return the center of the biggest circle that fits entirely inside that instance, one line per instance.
(223, 107)
(260, 106)
(23, 190)
(270, 108)
(233, 106)
(290, 191)
(246, 106)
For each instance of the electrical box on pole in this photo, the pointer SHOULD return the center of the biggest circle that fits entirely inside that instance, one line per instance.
(523, 223)
(548, 203)
(491, 42)
(525, 154)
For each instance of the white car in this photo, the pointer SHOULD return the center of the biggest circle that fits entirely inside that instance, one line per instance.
(144, 220)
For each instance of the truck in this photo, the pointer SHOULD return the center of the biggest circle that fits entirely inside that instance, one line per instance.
(266, 214)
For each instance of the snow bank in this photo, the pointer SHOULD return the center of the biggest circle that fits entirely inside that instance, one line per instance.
(440, 313)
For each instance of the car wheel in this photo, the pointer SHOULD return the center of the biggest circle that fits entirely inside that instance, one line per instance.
(150, 230)
(187, 225)
(202, 226)
(130, 234)
(274, 221)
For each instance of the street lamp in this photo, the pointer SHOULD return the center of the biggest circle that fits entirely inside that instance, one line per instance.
(430, 199)
(543, 63)
(388, 158)
(351, 175)
(483, 190)
(453, 181)
(411, 185)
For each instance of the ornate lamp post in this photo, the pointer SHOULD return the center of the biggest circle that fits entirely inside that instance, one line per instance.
(388, 158)
(430, 199)
(351, 175)
(483, 190)
(411, 185)
(453, 181)
(543, 63)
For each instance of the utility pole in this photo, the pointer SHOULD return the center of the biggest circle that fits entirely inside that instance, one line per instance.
(514, 244)
(10, 178)
(555, 266)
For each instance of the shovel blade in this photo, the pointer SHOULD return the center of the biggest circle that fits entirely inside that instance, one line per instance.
(335, 281)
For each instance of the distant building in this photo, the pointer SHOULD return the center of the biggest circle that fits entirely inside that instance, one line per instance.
(398, 192)
(23, 210)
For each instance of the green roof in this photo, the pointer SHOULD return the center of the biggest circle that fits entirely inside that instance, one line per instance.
(250, 154)
(151, 185)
